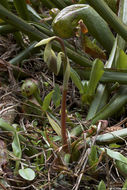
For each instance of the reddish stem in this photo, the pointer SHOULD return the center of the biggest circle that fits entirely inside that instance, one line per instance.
(63, 122)
(63, 105)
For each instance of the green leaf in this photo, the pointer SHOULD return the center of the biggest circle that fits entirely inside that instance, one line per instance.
(67, 158)
(66, 75)
(122, 167)
(45, 41)
(96, 73)
(101, 96)
(93, 158)
(125, 185)
(27, 174)
(47, 52)
(93, 154)
(54, 125)
(111, 61)
(122, 60)
(33, 12)
(16, 150)
(114, 105)
(5, 126)
(16, 146)
(21, 8)
(47, 101)
(32, 108)
(76, 131)
(115, 155)
(56, 95)
(101, 185)
(98, 102)
(50, 58)
(114, 145)
(76, 80)
(59, 61)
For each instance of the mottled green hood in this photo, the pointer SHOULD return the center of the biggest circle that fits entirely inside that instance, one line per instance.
(64, 27)
(65, 23)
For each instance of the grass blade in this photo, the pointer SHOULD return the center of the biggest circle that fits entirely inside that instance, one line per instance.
(21, 8)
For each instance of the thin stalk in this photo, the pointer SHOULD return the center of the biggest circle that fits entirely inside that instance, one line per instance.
(63, 104)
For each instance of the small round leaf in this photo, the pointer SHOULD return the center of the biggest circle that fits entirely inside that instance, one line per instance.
(27, 174)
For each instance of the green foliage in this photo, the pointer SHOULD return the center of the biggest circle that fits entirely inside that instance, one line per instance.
(67, 158)
(54, 125)
(101, 185)
(47, 101)
(27, 174)
(115, 155)
(41, 148)
(56, 96)
(125, 185)
(16, 150)
(65, 23)
(122, 60)
(50, 58)
(21, 8)
(122, 168)
(96, 73)
(87, 91)
(76, 80)
(93, 159)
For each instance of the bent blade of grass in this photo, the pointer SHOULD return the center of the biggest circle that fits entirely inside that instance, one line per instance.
(54, 125)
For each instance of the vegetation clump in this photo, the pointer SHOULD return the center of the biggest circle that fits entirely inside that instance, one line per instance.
(63, 94)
